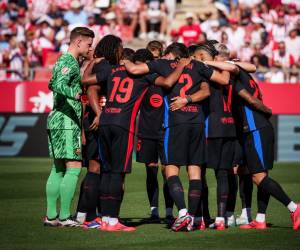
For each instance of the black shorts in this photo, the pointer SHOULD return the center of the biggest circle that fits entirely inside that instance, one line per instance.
(259, 150)
(149, 150)
(115, 149)
(238, 157)
(184, 144)
(91, 147)
(220, 153)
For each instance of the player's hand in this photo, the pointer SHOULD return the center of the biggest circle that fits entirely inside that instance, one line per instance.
(95, 123)
(178, 103)
(78, 96)
(185, 61)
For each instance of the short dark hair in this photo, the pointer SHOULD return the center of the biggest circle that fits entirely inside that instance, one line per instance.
(142, 55)
(179, 50)
(81, 31)
(209, 48)
(128, 54)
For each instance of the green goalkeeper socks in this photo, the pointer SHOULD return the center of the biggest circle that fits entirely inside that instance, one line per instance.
(67, 190)
(52, 189)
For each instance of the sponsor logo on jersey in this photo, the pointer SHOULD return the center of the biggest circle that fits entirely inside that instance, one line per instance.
(156, 101)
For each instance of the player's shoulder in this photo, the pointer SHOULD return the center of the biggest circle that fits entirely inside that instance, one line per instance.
(102, 65)
(67, 61)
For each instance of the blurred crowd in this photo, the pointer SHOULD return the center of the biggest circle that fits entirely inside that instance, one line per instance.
(266, 33)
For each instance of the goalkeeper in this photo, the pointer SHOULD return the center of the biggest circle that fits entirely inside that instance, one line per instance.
(64, 129)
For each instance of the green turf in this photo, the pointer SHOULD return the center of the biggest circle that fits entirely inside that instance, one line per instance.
(22, 207)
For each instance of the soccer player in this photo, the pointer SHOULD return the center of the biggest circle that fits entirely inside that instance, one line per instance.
(220, 134)
(258, 141)
(150, 138)
(117, 123)
(64, 129)
(184, 142)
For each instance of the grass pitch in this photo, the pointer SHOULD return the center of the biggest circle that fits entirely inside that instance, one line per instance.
(22, 207)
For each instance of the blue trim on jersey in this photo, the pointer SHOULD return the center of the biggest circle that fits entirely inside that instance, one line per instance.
(258, 146)
(166, 112)
(250, 119)
(206, 126)
(166, 143)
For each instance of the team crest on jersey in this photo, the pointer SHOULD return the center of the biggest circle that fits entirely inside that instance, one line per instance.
(156, 101)
(65, 70)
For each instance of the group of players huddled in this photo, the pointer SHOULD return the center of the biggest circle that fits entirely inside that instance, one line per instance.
(196, 109)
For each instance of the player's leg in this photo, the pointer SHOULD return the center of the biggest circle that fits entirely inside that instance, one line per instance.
(245, 190)
(118, 145)
(91, 194)
(233, 183)
(231, 201)
(67, 191)
(52, 191)
(147, 152)
(169, 202)
(194, 193)
(152, 189)
(260, 155)
(177, 193)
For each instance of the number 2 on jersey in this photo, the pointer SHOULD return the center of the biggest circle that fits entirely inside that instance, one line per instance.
(187, 80)
(122, 89)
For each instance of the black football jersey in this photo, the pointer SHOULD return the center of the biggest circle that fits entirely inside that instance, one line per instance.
(218, 111)
(151, 114)
(247, 117)
(124, 95)
(188, 83)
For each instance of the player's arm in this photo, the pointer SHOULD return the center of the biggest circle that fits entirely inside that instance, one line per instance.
(249, 67)
(222, 77)
(60, 84)
(224, 66)
(254, 102)
(171, 79)
(88, 77)
(93, 97)
(179, 102)
(136, 69)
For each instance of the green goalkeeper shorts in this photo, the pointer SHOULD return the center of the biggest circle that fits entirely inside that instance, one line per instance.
(65, 143)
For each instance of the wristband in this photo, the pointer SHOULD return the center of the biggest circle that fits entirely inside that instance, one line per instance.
(189, 99)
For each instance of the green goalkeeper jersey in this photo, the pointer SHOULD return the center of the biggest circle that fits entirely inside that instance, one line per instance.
(65, 84)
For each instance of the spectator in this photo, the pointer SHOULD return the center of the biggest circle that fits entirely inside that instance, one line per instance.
(261, 70)
(282, 58)
(15, 60)
(214, 33)
(246, 51)
(190, 32)
(292, 17)
(153, 11)
(128, 10)
(279, 29)
(236, 35)
(292, 43)
(262, 58)
(76, 15)
(258, 31)
(111, 26)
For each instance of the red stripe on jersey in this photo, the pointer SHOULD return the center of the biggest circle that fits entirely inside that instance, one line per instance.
(131, 127)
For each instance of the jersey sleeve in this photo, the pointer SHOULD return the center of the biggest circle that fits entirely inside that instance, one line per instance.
(60, 83)
(102, 72)
(204, 69)
(157, 66)
(150, 78)
(239, 82)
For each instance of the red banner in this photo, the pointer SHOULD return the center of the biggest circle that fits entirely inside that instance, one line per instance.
(283, 99)
(35, 97)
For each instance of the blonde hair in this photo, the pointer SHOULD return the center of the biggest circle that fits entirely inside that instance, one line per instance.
(222, 50)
